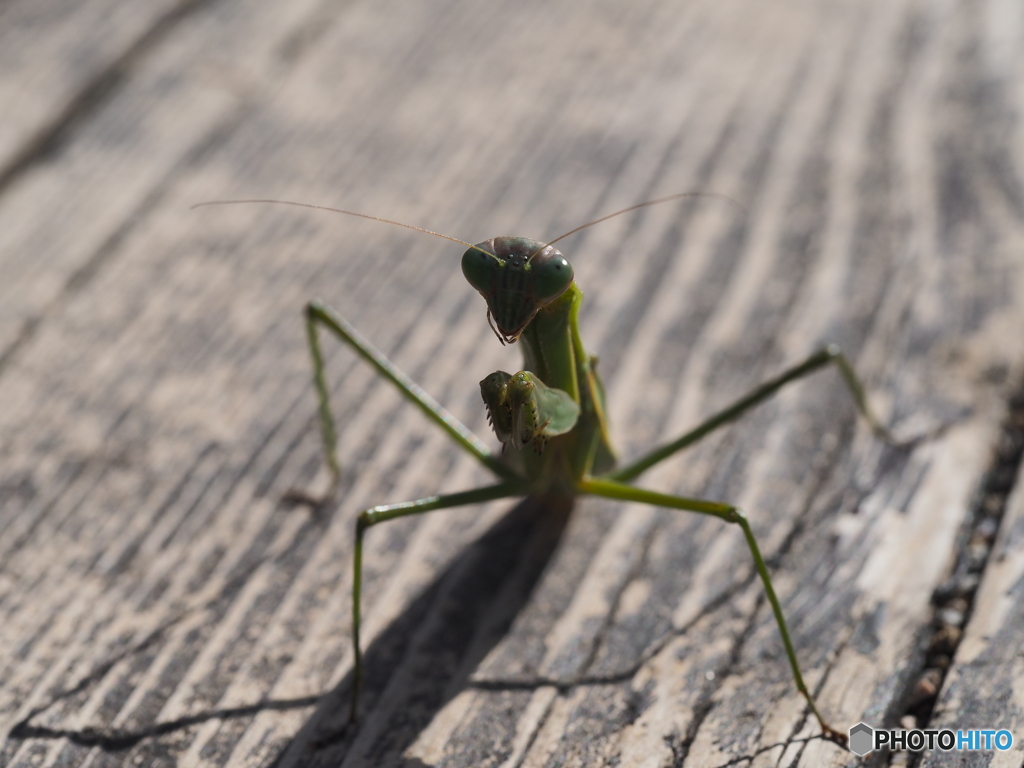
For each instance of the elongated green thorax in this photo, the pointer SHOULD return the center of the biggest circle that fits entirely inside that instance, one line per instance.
(550, 414)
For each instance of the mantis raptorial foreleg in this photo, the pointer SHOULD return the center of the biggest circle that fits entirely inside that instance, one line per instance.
(730, 514)
(317, 314)
(830, 355)
(374, 515)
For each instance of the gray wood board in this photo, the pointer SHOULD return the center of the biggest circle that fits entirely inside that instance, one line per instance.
(983, 690)
(160, 606)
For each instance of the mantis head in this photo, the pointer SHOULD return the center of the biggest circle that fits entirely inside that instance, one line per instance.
(518, 277)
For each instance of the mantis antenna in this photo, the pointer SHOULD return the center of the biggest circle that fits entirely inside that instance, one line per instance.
(656, 201)
(338, 210)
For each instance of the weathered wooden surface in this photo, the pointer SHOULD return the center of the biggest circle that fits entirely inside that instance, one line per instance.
(158, 606)
(983, 690)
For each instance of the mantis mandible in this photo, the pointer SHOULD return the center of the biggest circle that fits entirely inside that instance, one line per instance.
(550, 416)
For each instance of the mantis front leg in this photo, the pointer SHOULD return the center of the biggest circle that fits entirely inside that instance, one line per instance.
(730, 514)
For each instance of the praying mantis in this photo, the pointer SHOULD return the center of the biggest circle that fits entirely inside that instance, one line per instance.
(550, 417)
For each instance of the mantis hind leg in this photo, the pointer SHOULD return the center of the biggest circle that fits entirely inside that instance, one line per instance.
(370, 517)
(830, 355)
(319, 314)
(730, 514)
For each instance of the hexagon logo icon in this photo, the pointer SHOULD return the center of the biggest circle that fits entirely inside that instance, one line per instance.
(861, 739)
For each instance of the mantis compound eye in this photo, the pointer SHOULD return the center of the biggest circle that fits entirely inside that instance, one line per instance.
(552, 275)
(481, 269)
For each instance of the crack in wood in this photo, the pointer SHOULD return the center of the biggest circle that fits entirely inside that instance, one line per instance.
(953, 601)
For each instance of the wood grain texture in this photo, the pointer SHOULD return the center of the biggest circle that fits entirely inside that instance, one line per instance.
(159, 606)
(984, 685)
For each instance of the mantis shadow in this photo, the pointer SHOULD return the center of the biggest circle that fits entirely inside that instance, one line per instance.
(426, 656)
(411, 669)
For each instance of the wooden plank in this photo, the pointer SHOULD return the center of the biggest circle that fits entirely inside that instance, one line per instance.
(160, 607)
(59, 60)
(175, 83)
(982, 688)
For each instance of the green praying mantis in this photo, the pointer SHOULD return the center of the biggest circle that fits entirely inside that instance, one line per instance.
(550, 417)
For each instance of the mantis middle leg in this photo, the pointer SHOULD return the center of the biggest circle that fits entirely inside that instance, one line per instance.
(317, 314)
(831, 355)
